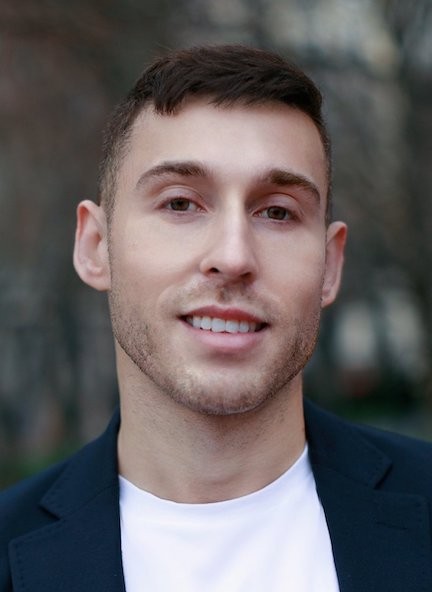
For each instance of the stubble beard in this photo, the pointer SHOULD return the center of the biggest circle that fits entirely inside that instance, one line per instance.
(215, 394)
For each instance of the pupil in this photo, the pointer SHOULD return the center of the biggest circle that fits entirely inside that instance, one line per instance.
(180, 204)
(276, 213)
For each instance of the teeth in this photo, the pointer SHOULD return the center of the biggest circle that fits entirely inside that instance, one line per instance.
(206, 323)
(232, 326)
(220, 325)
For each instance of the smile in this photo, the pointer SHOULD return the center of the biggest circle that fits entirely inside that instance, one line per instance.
(218, 325)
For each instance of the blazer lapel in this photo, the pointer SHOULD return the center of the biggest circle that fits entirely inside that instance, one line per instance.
(381, 539)
(82, 549)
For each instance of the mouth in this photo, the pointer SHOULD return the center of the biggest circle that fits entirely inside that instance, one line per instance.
(219, 325)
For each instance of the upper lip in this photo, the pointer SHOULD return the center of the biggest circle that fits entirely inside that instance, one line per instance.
(227, 314)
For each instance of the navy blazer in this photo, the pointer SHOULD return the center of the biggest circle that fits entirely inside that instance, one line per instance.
(60, 530)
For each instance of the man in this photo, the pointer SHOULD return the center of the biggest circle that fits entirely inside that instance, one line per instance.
(214, 241)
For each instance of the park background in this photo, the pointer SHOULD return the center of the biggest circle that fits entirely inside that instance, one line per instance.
(63, 67)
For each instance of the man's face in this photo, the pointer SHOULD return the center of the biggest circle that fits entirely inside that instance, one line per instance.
(217, 252)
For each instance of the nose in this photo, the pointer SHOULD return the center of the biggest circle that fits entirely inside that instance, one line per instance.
(230, 247)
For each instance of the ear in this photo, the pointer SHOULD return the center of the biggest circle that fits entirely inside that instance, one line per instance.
(335, 247)
(90, 256)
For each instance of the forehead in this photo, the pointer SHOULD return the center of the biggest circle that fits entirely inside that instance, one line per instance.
(234, 142)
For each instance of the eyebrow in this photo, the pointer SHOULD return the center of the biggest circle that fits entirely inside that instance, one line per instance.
(274, 176)
(184, 168)
(284, 178)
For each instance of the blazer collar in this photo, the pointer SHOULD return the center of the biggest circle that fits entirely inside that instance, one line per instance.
(336, 445)
(91, 471)
(380, 538)
(81, 550)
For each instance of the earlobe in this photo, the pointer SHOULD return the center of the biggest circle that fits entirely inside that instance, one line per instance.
(90, 255)
(335, 248)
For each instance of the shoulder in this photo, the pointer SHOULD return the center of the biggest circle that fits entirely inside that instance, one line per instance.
(43, 498)
(19, 505)
(21, 512)
(411, 458)
(391, 461)
(62, 490)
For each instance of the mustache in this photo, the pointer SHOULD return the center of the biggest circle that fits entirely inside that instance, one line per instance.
(235, 294)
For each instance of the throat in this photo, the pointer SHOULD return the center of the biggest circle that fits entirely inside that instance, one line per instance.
(206, 460)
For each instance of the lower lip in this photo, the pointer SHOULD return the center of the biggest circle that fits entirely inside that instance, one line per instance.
(226, 343)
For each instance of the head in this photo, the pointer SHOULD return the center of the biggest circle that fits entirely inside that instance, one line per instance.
(212, 237)
(226, 75)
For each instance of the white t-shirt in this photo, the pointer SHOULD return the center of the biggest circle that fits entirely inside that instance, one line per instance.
(273, 540)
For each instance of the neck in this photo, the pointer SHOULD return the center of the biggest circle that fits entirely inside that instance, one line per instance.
(186, 456)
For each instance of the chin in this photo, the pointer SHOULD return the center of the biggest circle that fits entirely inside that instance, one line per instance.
(220, 402)
(222, 407)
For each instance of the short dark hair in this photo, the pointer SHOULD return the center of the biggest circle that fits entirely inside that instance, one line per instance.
(227, 75)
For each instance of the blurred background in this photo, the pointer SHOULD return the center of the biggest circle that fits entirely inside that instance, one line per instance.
(63, 67)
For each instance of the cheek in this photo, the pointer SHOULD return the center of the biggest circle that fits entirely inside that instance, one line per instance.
(298, 264)
(145, 268)
(302, 292)
(138, 248)
(301, 289)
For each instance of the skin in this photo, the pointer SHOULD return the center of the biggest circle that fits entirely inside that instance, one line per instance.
(221, 208)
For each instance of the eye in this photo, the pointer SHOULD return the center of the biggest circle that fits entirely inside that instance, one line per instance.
(276, 213)
(181, 204)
